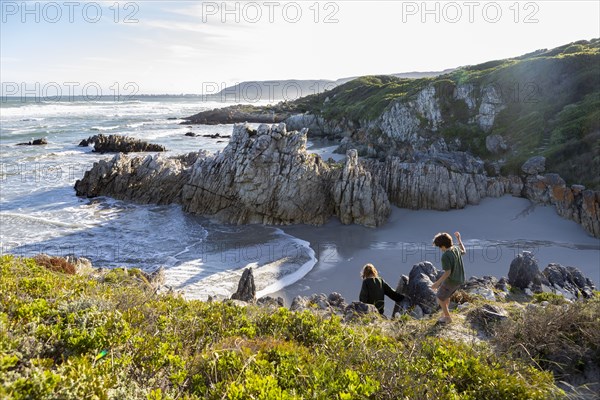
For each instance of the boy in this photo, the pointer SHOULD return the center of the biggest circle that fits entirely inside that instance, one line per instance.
(454, 273)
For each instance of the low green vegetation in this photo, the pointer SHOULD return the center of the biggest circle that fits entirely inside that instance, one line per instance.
(109, 336)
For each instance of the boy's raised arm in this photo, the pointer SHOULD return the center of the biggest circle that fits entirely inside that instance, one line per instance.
(461, 246)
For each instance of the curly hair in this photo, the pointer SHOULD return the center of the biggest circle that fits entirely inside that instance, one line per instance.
(442, 239)
(369, 271)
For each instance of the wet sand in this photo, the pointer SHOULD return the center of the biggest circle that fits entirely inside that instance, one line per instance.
(493, 233)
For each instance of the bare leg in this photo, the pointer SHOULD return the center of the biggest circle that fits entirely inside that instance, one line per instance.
(444, 305)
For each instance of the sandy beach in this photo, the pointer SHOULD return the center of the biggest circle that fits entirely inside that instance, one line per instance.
(493, 232)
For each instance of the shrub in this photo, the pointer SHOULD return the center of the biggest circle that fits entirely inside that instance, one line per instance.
(72, 337)
(57, 264)
(560, 338)
(552, 298)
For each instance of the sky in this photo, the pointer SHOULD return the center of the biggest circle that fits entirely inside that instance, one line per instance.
(195, 46)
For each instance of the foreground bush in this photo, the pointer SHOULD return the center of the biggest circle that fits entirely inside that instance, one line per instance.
(562, 338)
(73, 337)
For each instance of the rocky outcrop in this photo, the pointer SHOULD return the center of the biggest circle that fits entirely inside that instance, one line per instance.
(568, 281)
(34, 142)
(246, 290)
(482, 287)
(119, 144)
(574, 202)
(264, 176)
(318, 126)
(439, 180)
(239, 113)
(151, 179)
(491, 104)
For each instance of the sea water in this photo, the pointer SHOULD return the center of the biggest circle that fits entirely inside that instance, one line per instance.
(40, 213)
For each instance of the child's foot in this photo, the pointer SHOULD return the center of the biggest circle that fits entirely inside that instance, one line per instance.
(445, 320)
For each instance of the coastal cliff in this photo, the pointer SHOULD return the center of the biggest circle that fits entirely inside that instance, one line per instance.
(262, 176)
(447, 141)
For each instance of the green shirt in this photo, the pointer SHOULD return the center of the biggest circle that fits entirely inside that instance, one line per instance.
(452, 261)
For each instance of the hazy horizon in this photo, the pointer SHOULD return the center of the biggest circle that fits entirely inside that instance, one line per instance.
(154, 47)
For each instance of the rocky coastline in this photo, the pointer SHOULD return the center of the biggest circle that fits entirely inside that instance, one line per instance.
(267, 176)
(262, 176)
(239, 113)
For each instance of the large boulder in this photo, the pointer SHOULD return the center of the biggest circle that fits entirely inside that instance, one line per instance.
(420, 279)
(402, 288)
(535, 165)
(524, 273)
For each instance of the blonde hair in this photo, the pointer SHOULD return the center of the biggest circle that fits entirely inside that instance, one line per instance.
(369, 271)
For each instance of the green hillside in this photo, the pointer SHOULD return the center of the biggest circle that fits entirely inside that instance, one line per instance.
(551, 99)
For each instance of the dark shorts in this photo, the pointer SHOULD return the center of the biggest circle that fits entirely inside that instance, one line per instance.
(446, 290)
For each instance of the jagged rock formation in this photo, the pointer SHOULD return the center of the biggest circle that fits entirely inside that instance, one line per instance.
(356, 195)
(430, 185)
(246, 290)
(119, 144)
(264, 176)
(143, 179)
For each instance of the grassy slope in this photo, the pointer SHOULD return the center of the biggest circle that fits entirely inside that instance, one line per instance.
(552, 98)
(54, 328)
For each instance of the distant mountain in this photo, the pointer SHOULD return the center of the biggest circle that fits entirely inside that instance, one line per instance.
(292, 89)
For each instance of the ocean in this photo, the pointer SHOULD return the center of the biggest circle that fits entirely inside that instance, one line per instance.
(39, 212)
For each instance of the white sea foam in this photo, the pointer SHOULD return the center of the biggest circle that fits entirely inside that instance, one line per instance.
(40, 220)
(105, 128)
